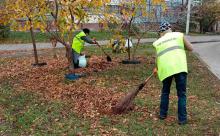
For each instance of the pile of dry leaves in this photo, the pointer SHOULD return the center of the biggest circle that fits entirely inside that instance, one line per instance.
(86, 98)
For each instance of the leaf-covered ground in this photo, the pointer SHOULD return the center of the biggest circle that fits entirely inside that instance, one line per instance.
(39, 100)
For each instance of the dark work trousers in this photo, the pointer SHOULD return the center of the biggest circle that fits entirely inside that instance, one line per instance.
(180, 79)
(75, 58)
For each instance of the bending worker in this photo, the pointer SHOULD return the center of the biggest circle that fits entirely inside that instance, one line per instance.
(172, 63)
(78, 45)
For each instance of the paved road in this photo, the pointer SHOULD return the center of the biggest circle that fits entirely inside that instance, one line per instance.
(210, 54)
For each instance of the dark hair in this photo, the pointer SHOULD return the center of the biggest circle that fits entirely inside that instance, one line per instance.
(86, 30)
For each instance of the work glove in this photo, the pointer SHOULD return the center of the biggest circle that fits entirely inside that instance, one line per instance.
(155, 71)
(94, 41)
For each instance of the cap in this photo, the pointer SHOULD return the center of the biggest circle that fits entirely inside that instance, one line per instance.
(164, 26)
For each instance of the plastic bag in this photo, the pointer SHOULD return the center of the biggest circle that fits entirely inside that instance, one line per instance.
(130, 43)
(82, 61)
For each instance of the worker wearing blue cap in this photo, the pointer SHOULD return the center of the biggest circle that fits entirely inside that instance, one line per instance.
(171, 63)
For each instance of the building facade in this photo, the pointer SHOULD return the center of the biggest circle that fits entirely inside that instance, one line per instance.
(171, 12)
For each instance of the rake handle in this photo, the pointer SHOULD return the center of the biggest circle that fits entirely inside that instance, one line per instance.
(102, 49)
(146, 80)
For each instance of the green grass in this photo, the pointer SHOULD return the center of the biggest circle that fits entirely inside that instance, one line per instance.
(25, 37)
(26, 113)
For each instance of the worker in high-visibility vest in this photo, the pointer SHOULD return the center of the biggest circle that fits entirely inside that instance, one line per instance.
(172, 63)
(78, 45)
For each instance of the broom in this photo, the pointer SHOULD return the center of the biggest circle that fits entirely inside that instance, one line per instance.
(125, 103)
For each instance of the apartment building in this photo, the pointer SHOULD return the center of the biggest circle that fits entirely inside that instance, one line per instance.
(158, 14)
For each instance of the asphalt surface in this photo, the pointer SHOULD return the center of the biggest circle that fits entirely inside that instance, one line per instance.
(29, 46)
(210, 54)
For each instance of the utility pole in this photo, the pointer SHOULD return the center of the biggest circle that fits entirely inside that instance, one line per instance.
(188, 17)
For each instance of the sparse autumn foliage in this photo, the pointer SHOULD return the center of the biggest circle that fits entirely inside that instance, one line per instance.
(25, 15)
(125, 18)
(207, 14)
(67, 16)
(59, 18)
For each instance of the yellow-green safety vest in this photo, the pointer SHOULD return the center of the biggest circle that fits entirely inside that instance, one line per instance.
(171, 55)
(78, 43)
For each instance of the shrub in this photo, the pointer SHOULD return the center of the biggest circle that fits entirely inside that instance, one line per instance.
(4, 31)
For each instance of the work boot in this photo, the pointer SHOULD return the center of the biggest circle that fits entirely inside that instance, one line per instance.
(182, 122)
(76, 66)
(162, 117)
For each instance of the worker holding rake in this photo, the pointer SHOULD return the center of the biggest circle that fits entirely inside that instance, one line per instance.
(78, 45)
(171, 63)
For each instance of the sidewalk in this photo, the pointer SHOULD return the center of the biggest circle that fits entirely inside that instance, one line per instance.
(29, 46)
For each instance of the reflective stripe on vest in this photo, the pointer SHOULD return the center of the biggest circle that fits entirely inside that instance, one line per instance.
(167, 50)
(171, 56)
(78, 43)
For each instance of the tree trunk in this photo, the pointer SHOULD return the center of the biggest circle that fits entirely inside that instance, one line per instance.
(54, 44)
(212, 26)
(200, 27)
(69, 56)
(34, 43)
(129, 51)
(135, 48)
(129, 34)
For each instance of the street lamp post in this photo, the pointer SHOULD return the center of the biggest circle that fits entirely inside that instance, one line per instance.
(188, 17)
